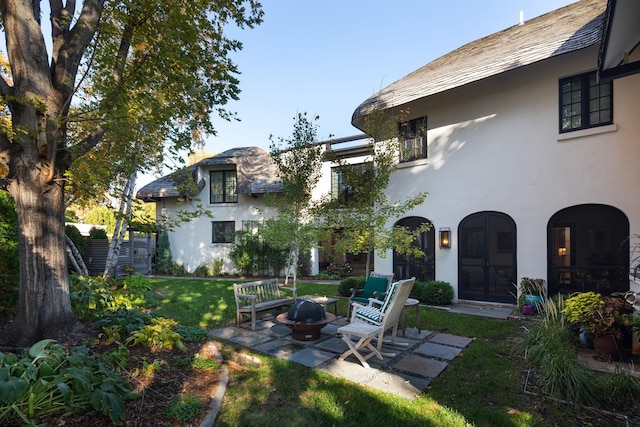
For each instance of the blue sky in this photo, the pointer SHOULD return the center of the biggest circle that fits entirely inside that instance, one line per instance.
(325, 57)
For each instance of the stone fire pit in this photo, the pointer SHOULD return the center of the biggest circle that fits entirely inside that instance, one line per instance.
(305, 319)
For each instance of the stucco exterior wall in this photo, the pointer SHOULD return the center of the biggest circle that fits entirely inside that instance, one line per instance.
(495, 146)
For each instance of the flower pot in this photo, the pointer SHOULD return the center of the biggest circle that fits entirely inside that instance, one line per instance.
(585, 338)
(533, 300)
(606, 346)
(528, 309)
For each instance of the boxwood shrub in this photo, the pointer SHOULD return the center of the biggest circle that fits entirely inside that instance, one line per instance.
(350, 282)
(435, 292)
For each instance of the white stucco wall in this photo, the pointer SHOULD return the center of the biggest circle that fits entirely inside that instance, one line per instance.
(495, 146)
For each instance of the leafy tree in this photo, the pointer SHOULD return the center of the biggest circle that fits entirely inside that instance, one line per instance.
(113, 94)
(299, 161)
(359, 216)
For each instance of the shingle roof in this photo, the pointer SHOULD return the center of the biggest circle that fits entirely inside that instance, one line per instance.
(256, 175)
(573, 27)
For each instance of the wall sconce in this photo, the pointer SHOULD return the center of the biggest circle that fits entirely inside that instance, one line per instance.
(445, 238)
(562, 251)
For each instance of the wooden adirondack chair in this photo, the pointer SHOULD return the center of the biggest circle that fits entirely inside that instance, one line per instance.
(385, 314)
(376, 286)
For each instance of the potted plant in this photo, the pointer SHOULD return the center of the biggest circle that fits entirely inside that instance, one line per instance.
(531, 292)
(602, 317)
(633, 323)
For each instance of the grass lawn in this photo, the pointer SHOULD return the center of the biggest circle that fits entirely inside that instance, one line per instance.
(483, 387)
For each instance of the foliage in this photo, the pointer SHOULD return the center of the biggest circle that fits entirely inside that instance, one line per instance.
(298, 161)
(529, 286)
(434, 292)
(51, 379)
(164, 258)
(251, 252)
(360, 224)
(92, 296)
(121, 322)
(202, 271)
(97, 234)
(205, 363)
(76, 237)
(355, 282)
(550, 348)
(101, 215)
(216, 270)
(335, 270)
(192, 333)
(9, 269)
(185, 408)
(100, 96)
(597, 314)
(159, 335)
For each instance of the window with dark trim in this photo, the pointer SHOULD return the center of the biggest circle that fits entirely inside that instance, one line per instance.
(223, 231)
(413, 139)
(223, 187)
(347, 179)
(585, 103)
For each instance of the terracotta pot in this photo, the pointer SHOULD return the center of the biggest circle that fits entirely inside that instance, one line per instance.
(606, 346)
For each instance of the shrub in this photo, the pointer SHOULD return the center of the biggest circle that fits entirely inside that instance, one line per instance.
(356, 282)
(185, 408)
(192, 333)
(159, 335)
(76, 237)
(164, 258)
(202, 271)
(218, 263)
(97, 233)
(435, 292)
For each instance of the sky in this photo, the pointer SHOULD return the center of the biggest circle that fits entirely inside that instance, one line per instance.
(325, 57)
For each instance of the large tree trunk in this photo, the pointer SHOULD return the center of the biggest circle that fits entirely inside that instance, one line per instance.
(44, 308)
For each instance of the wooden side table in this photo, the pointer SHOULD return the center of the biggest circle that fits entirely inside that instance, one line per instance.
(366, 333)
(411, 302)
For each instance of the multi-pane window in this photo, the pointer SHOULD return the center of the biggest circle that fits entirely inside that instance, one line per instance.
(585, 103)
(345, 180)
(223, 231)
(223, 187)
(413, 139)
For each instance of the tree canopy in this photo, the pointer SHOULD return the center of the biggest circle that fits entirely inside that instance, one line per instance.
(100, 89)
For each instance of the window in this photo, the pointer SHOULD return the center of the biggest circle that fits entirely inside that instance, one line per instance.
(223, 187)
(223, 231)
(584, 103)
(346, 179)
(251, 226)
(413, 139)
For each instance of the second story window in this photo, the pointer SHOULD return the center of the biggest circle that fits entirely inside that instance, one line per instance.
(413, 139)
(347, 179)
(223, 187)
(585, 103)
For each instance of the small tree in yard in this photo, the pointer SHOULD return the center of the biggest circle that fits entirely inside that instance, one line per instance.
(112, 91)
(359, 212)
(299, 166)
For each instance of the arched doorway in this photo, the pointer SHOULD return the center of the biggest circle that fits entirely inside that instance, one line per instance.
(588, 250)
(423, 268)
(487, 257)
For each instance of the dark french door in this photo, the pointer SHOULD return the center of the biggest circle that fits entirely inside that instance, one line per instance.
(487, 258)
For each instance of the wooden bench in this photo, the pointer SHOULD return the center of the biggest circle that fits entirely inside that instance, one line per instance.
(261, 295)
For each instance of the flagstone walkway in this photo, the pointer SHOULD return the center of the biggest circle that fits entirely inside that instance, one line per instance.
(406, 374)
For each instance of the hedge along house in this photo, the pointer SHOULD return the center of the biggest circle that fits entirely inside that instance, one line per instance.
(231, 187)
(530, 161)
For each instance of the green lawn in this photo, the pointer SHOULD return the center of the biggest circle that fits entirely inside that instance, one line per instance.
(483, 387)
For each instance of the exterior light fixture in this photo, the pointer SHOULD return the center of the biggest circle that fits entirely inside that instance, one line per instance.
(445, 238)
(562, 251)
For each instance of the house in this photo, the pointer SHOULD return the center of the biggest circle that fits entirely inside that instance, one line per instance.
(230, 187)
(526, 141)
(529, 159)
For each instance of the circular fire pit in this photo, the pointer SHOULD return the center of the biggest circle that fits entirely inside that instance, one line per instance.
(305, 319)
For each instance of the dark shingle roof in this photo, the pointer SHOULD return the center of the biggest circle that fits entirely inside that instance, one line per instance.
(573, 27)
(256, 175)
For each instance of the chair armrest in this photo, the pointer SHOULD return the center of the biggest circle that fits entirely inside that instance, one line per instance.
(355, 291)
(375, 301)
(293, 290)
(248, 296)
